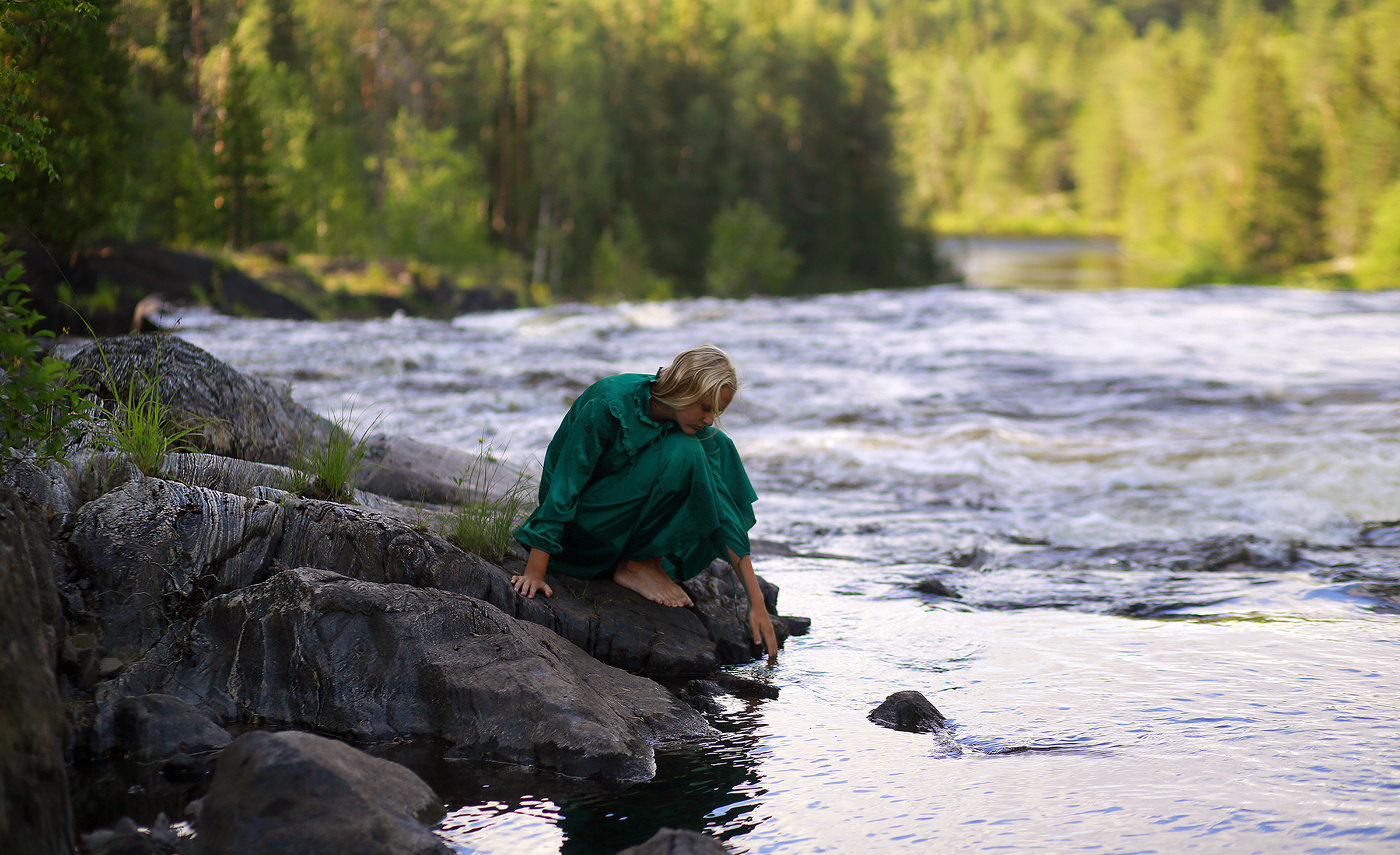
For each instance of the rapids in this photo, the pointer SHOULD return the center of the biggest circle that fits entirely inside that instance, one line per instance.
(1172, 629)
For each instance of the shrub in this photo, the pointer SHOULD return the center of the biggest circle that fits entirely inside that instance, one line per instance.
(42, 403)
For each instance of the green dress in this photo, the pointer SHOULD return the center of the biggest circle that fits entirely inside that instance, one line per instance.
(618, 485)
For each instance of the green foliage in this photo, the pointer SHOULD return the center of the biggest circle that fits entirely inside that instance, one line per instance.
(1379, 267)
(748, 253)
(42, 403)
(60, 106)
(328, 469)
(488, 510)
(621, 269)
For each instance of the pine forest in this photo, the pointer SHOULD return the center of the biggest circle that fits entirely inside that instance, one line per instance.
(642, 149)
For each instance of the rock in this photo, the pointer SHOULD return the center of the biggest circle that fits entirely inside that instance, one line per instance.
(127, 838)
(154, 728)
(301, 794)
(37, 813)
(909, 711)
(155, 550)
(672, 841)
(380, 662)
(722, 604)
(935, 587)
(403, 468)
(234, 415)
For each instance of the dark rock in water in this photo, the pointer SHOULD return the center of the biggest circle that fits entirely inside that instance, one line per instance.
(154, 728)
(745, 687)
(380, 662)
(299, 794)
(232, 414)
(909, 711)
(701, 695)
(935, 587)
(1385, 596)
(674, 841)
(37, 813)
(1380, 534)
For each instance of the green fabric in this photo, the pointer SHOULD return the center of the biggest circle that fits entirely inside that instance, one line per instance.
(617, 485)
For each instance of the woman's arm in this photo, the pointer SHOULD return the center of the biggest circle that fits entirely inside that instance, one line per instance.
(532, 580)
(760, 624)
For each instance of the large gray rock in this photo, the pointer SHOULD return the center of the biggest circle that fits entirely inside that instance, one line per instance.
(300, 794)
(235, 415)
(151, 552)
(36, 815)
(379, 662)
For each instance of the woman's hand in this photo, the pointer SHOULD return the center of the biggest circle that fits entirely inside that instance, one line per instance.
(761, 625)
(532, 580)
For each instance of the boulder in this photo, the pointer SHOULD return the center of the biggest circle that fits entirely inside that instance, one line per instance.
(381, 662)
(155, 728)
(672, 841)
(908, 711)
(36, 815)
(151, 552)
(233, 415)
(301, 794)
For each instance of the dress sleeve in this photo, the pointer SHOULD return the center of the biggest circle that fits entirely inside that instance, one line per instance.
(573, 455)
(736, 494)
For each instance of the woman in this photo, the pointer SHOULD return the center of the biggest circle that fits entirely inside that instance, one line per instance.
(640, 485)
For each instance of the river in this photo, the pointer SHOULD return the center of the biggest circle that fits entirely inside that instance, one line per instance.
(1172, 629)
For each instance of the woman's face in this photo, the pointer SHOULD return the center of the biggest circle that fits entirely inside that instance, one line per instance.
(700, 414)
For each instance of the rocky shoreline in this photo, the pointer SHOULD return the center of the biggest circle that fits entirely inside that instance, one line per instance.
(148, 618)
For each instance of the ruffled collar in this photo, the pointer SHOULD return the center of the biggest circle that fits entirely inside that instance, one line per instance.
(633, 411)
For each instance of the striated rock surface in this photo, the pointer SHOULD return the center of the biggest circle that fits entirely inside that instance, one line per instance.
(377, 662)
(36, 815)
(300, 794)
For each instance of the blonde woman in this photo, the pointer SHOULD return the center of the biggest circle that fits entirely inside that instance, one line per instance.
(640, 485)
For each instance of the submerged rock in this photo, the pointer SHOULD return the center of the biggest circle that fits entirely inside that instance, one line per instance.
(380, 662)
(677, 841)
(908, 711)
(300, 794)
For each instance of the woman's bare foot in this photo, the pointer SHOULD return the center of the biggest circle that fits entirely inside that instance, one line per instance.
(648, 579)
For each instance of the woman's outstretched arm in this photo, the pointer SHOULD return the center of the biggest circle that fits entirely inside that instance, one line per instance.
(532, 580)
(760, 624)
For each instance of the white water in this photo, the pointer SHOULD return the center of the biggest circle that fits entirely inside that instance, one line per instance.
(965, 434)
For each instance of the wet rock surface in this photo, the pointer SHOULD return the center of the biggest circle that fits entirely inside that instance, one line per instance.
(153, 728)
(300, 794)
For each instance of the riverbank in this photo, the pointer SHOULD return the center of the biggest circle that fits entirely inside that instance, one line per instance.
(165, 612)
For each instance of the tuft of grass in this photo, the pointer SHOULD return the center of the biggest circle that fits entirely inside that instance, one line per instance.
(143, 428)
(486, 517)
(327, 470)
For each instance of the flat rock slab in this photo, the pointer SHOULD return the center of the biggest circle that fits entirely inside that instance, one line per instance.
(378, 662)
(300, 794)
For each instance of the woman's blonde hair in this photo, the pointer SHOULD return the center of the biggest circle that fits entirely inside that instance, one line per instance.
(698, 374)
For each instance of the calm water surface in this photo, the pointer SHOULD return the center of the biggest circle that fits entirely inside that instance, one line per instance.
(1171, 633)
